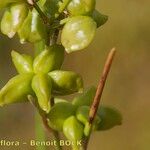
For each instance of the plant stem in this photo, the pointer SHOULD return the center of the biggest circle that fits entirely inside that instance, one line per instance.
(34, 4)
(98, 95)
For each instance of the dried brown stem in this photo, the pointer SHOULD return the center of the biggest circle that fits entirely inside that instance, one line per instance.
(98, 95)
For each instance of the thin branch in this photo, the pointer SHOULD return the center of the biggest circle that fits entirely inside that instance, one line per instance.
(98, 95)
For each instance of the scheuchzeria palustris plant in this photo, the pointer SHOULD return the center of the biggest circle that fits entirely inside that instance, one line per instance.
(40, 80)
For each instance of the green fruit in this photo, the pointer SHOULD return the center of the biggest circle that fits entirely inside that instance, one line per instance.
(41, 84)
(99, 18)
(13, 19)
(59, 113)
(82, 115)
(86, 98)
(81, 7)
(110, 117)
(73, 129)
(23, 63)
(33, 29)
(78, 33)
(49, 59)
(24, 31)
(16, 89)
(37, 29)
(66, 82)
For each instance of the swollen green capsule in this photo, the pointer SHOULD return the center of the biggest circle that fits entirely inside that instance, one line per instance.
(82, 115)
(110, 117)
(41, 85)
(78, 33)
(86, 98)
(24, 31)
(59, 113)
(99, 18)
(13, 19)
(49, 59)
(23, 63)
(16, 89)
(81, 7)
(66, 82)
(33, 29)
(38, 30)
(73, 129)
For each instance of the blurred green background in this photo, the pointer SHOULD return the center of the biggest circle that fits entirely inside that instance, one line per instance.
(127, 88)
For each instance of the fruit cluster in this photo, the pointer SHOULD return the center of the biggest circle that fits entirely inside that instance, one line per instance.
(41, 22)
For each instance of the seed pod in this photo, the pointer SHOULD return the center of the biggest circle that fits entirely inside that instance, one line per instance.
(25, 29)
(13, 19)
(65, 82)
(49, 59)
(81, 7)
(99, 18)
(16, 89)
(59, 113)
(38, 30)
(86, 98)
(23, 63)
(33, 29)
(110, 117)
(41, 84)
(73, 129)
(82, 115)
(78, 33)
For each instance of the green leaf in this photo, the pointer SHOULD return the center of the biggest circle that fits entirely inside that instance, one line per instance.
(66, 82)
(78, 33)
(59, 113)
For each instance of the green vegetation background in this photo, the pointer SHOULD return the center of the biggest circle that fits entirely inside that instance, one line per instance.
(127, 88)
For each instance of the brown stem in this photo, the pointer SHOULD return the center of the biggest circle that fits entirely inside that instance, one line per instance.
(98, 95)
